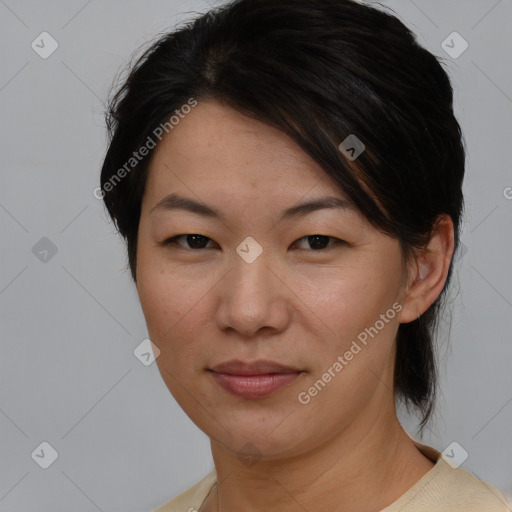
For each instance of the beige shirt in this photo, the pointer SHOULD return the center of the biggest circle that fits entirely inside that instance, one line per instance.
(442, 489)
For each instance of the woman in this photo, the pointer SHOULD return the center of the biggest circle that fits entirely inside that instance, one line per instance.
(288, 179)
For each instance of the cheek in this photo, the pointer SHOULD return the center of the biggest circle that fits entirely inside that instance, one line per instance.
(176, 324)
(163, 296)
(359, 309)
(160, 301)
(351, 298)
(172, 306)
(354, 361)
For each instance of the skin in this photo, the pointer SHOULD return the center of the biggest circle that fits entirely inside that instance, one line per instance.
(344, 450)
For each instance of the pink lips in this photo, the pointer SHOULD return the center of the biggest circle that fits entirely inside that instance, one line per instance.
(253, 380)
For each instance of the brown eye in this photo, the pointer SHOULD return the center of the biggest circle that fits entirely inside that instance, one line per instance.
(318, 242)
(191, 241)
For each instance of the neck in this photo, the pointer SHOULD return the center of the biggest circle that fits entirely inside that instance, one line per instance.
(358, 469)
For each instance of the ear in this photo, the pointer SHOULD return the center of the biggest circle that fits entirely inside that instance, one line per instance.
(429, 270)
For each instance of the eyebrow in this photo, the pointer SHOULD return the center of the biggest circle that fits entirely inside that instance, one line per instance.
(177, 202)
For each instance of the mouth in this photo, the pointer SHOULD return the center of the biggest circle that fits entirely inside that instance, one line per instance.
(257, 379)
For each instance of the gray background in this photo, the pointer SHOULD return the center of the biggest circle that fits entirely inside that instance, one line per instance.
(70, 321)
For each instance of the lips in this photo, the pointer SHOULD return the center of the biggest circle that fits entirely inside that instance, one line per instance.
(259, 367)
(257, 379)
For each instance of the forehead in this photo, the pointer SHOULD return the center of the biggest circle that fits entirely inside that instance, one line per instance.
(214, 146)
(249, 175)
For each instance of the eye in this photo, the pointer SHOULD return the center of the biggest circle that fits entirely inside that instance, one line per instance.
(194, 241)
(318, 242)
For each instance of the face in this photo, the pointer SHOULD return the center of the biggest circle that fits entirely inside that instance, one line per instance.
(252, 276)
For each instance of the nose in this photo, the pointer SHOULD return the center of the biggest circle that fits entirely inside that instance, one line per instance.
(254, 298)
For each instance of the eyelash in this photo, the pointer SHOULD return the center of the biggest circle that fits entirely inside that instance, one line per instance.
(174, 241)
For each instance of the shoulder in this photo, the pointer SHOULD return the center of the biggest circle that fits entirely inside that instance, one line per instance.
(457, 487)
(191, 499)
(448, 489)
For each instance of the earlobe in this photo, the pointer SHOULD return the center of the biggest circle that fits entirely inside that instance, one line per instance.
(431, 267)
